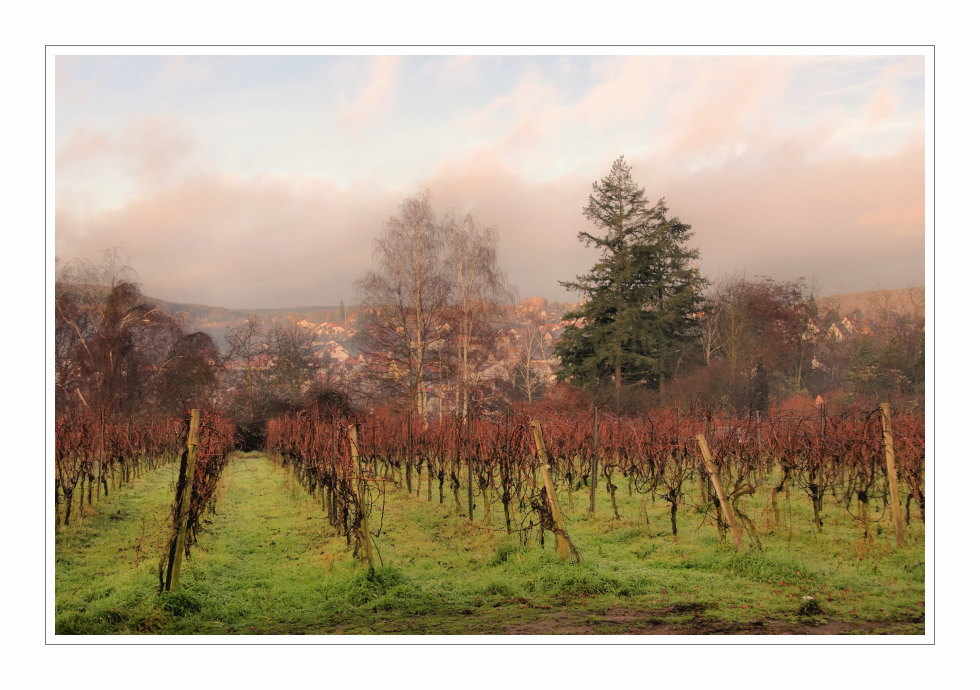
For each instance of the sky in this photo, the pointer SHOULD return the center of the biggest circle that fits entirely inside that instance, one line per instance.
(264, 181)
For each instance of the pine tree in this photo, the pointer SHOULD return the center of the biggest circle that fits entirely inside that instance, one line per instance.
(641, 297)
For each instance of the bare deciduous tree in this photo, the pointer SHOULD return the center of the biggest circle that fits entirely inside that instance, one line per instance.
(405, 299)
(532, 350)
(762, 320)
(294, 362)
(479, 289)
(246, 343)
(188, 377)
(116, 351)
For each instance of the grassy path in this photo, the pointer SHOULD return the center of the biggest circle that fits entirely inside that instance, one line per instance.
(254, 566)
(267, 562)
(260, 568)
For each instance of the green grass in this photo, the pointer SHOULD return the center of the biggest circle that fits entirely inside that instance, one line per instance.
(269, 563)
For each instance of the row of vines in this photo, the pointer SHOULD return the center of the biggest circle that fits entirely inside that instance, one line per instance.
(95, 456)
(350, 464)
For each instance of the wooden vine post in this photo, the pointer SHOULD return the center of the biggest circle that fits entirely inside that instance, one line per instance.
(594, 469)
(363, 532)
(469, 486)
(720, 491)
(565, 547)
(468, 425)
(886, 428)
(182, 500)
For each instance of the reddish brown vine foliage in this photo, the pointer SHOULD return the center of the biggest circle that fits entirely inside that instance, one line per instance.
(94, 456)
(838, 455)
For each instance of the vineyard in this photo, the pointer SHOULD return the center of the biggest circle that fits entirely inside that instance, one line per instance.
(664, 456)
(93, 453)
(616, 520)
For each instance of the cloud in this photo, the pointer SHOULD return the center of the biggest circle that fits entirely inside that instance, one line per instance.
(780, 170)
(82, 146)
(177, 73)
(632, 89)
(537, 221)
(230, 241)
(376, 94)
(451, 71)
(151, 149)
(71, 89)
(696, 112)
(849, 221)
(882, 106)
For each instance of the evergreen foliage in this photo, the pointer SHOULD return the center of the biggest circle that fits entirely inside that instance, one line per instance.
(642, 297)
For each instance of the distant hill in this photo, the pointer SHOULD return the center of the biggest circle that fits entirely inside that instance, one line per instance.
(215, 321)
(870, 302)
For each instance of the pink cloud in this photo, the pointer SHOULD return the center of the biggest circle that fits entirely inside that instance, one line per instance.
(151, 148)
(83, 145)
(882, 106)
(849, 221)
(376, 93)
(906, 219)
(233, 241)
(766, 193)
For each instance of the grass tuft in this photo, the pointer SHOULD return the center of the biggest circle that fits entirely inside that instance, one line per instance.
(372, 584)
(498, 589)
(569, 580)
(180, 602)
(504, 552)
(765, 566)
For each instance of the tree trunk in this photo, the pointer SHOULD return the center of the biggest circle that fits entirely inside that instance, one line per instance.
(454, 482)
(719, 518)
(775, 506)
(863, 513)
(618, 377)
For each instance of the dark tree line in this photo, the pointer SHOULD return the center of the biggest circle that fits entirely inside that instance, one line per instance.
(269, 372)
(440, 335)
(651, 331)
(116, 353)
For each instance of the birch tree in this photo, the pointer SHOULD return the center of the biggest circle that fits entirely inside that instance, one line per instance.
(479, 288)
(405, 298)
